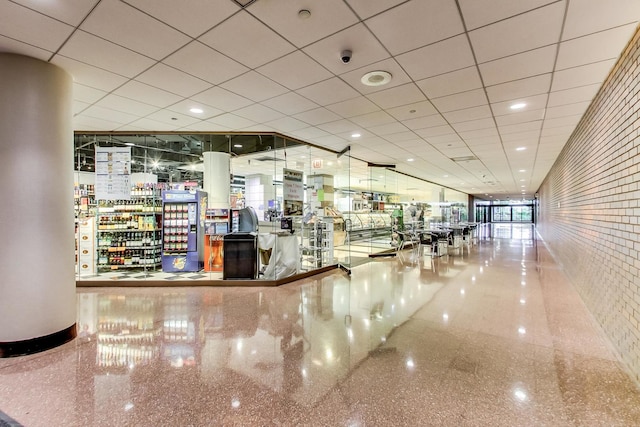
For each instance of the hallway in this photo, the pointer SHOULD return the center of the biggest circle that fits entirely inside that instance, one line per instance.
(494, 335)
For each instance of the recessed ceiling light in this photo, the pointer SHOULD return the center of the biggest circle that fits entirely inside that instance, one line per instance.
(197, 110)
(376, 78)
(237, 145)
(521, 170)
(522, 180)
(518, 106)
(130, 144)
(521, 148)
(446, 176)
(522, 186)
(409, 160)
(355, 135)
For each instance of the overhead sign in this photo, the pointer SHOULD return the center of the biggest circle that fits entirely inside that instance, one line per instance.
(293, 192)
(113, 173)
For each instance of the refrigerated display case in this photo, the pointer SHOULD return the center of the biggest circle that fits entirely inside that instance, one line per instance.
(183, 217)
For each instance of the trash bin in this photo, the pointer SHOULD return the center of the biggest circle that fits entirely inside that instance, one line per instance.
(240, 256)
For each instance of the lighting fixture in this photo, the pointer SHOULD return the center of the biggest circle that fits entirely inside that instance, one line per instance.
(521, 148)
(197, 110)
(355, 135)
(130, 144)
(409, 160)
(376, 78)
(521, 170)
(518, 106)
(237, 145)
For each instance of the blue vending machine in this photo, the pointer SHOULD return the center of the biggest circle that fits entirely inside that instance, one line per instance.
(183, 215)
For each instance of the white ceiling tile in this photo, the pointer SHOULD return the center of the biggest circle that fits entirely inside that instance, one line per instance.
(567, 110)
(450, 140)
(69, 11)
(353, 107)
(411, 111)
(151, 95)
(594, 47)
(422, 23)
(425, 122)
(126, 105)
(205, 126)
(8, 45)
(290, 103)
(184, 107)
(339, 126)
(200, 16)
(522, 117)
(590, 16)
(89, 75)
(471, 125)
(531, 136)
(124, 25)
(222, 99)
(387, 129)
(479, 133)
(450, 83)
(521, 127)
(520, 66)
(317, 116)
(100, 53)
(399, 77)
(328, 92)
(562, 121)
(558, 131)
(439, 58)
(172, 118)
(536, 102)
(581, 76)
(365, 47)
(259, 113)
(19, 23)
(435, 131)
(373, 119)
(310, 132)
(519, 88)
(175, 81)
(459, 101)
(109, 114)
(327, 17)
(531, 30)
(400, 95)
(254, 86)
(86, 123)
(295, 70)
(231, 121)
(570, 96)
(468, 114)
(247, 40)
(330, 141)
(402, 137)
(367, 8)
(286, 124)
(79, 106)
(87, 94)
(205, 63)
(478, 13)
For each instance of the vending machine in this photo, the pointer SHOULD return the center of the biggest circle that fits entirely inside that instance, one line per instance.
(183, 218)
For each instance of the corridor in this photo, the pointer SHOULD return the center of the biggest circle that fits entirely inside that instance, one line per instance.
(493, 335)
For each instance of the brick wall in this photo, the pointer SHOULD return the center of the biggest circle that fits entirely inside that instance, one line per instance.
(590, 207)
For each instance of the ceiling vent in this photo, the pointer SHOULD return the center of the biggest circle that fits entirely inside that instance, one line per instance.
(464, 158)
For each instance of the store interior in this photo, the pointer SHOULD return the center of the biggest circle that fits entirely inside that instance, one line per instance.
(343, 210)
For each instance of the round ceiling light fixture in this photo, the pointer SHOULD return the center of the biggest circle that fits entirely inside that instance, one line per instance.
(304, 14)
(376, 78)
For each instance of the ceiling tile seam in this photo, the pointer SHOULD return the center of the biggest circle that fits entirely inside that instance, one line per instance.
(378, 13)
(76, 28)
(484, 87)
(544, 114)
(598, 32)
(542, 6)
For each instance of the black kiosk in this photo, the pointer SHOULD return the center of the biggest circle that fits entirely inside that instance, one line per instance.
(241, 246)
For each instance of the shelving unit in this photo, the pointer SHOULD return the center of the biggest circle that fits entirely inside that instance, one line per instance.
(367, 225)
(317, 244)
(128, 232)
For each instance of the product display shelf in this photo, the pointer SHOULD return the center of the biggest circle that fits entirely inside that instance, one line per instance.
(128, 234)
(317, 244)
(367, 225)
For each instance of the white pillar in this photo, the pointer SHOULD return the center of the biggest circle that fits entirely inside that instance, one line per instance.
(216, 180)
(37, 288)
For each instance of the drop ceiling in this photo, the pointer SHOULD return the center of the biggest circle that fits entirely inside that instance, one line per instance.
(457, 67)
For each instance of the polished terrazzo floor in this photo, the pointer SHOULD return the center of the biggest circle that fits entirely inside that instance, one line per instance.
(492, 336)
